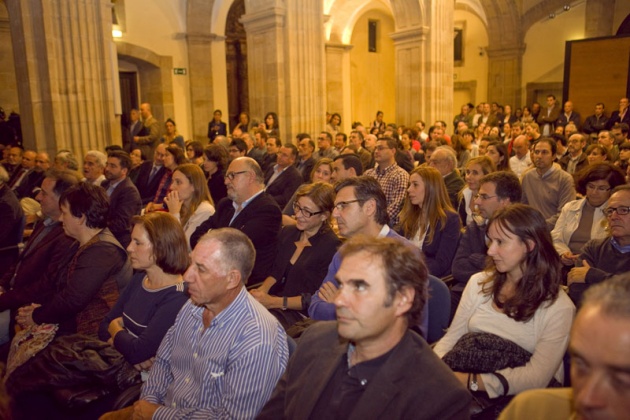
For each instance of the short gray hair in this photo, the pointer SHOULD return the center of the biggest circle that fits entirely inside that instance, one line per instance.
(101, 158)
(237, 250)
(450, 154)
(612, 296)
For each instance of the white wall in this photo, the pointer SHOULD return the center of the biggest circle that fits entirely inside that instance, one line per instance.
(160, 26)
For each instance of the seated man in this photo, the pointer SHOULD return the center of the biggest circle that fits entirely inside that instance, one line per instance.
(249, 209)
(496, 191)
(445, 161)
(600, 361)
(603, 258)
(283, 179)
(225, 352)
(369, 364)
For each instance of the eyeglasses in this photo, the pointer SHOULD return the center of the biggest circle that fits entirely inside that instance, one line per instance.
(621, 210)
(599, 188)
(343, 204)
(307, 213)
(484, 197)
(232, 175)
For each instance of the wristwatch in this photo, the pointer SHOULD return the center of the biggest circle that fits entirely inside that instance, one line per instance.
(473, 386)
(284, 303)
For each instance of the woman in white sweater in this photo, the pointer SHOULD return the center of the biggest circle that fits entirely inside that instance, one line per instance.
(518, 298)
(188, 199)
(583, 219)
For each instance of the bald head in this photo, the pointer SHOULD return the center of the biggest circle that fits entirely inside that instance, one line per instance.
(521, 146)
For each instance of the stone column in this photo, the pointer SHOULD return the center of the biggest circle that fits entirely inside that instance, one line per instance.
(505, 67)
(286, 63)
(338, 84)
(599, 17)
(63, 60)
(201, 78)
(424, 65)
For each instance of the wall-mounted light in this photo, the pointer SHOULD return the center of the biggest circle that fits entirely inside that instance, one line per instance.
(116, 33)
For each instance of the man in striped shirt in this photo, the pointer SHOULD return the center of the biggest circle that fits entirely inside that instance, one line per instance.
(225, 352)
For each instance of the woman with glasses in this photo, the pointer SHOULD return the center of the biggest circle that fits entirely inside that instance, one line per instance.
(304, 253)
(429, 220)
(583, 219)
(321, 172)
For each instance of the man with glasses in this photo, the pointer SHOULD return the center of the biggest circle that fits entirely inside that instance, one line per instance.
(360, 209)
(575, 160)
(249, 209)
(603, 258)
(546, 187)
(497, 190)
(324, 143)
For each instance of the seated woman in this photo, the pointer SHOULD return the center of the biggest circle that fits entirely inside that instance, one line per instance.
(173, 157)
(171, 136)
(147, 308)
(475, 170)
(519, 299)
(89, 286)
(429, 221)
(497, 152)
(321, 172)
(137, 159)
(215, 163)
(583, 219)
(188, 199)
(304, 253)
(596, 153)
(194, 152)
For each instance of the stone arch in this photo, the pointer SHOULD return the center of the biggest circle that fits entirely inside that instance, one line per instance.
(344, 16)
(156, 83)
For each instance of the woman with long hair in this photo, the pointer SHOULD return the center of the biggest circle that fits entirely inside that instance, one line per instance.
(215, 163)
(516, 303)
(149, 304)
(497, 152)
(173, 157)
(271, 124)
(188, 199)
(304, 253)
(334, 126)
(429, 220)
(475, 170)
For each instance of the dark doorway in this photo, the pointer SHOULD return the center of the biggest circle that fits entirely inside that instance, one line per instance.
(128, 93)
(236, 63)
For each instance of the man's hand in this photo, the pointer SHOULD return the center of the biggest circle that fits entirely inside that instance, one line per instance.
(578, 274)
(24, 317)
(146, 365)
(143, 410)
(328, 291)
(568, 258)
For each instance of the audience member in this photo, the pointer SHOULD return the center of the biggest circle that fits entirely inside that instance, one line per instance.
(356, 138)
(273, 144)
(475, 169)
(321, 172)
(194, 152)
(445, 161)
(150, 137)
(575, 159)
(225, 353)
(584, 219)
(188, 199)
(304, 253)
(216, 127)
(215, 163)
(124, 198)
(171, 136)
(496, 191)
(621, 115)
(137, 159)
(250, 209)
(516, 307)
(497, 152)
(568, 116)
(548, 117)
(346, 166)
(85, 288)
(599, 357)
(429, 221)
(11, 224)
(148, 306)
(596, 122)
(173, 157)
(306, 148)
(606, 139)
(546, 187)
(370, 351)
(596, 153)
(284, 178)
(94, 167)
(600, 259)
(150, 174)
(324, 146)
(391, 177)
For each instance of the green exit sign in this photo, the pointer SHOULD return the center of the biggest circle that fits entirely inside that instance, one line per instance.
(179, 71)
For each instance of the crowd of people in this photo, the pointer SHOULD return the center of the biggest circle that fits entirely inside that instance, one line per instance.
(201, 266)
